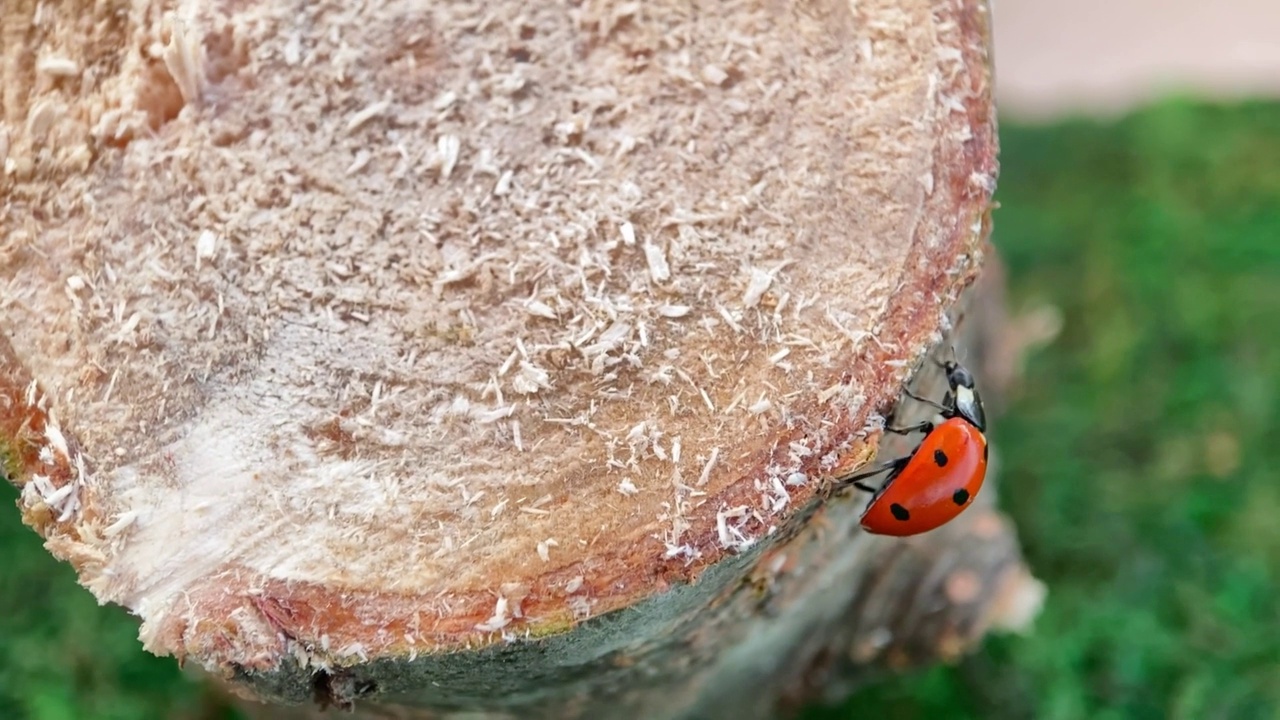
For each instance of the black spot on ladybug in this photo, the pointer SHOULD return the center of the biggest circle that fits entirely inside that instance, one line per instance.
(986, 451)
(940, 458)
(899, 512)
(960, 496)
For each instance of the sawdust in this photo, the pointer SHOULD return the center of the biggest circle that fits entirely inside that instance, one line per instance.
(424, 299)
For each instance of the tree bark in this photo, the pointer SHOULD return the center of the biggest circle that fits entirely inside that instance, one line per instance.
(495, 358)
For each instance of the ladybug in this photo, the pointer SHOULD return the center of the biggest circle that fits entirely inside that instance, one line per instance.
(938, 480)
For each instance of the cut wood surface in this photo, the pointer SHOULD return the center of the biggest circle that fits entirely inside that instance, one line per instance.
(372, 349)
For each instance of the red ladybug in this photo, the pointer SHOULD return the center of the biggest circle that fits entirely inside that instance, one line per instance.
(937, 481)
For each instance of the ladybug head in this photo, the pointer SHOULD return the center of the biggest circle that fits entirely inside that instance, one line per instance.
(957, 375)
(964, 395)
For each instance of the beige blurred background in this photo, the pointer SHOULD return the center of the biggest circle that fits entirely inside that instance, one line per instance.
(1101, 57)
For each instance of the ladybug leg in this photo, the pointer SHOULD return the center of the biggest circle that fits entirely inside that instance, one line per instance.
(856, 479)
(926, 401)
(893, 467)
(862, 486)
(925, 426)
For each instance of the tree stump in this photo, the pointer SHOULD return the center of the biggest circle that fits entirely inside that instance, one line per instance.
(492, 357)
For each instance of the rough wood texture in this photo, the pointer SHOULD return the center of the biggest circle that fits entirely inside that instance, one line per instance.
(371, 349)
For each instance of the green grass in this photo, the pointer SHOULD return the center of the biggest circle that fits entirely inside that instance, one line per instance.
(1158, 237)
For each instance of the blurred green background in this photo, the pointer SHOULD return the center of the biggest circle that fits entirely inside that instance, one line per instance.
(1139, 457)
